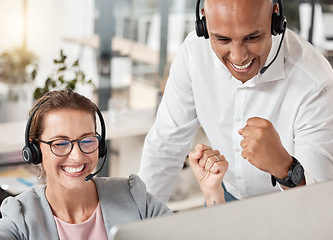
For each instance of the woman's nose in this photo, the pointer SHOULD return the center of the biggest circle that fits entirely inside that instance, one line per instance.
(76, 151)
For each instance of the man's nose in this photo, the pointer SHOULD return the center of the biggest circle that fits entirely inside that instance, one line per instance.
(238, 53)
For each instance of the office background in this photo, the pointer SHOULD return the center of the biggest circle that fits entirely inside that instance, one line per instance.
(125, 47)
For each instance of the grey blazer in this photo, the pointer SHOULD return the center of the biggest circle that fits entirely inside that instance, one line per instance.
(29, 216)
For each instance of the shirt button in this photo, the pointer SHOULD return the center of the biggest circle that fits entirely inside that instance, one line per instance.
(239, 177)
(237, 150)
(238, 119)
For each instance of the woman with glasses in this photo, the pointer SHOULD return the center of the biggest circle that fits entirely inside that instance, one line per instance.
(63, 127)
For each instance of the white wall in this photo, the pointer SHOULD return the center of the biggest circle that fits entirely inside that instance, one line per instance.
(48, 22)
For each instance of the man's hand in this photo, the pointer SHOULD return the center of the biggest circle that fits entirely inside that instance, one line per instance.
(209, 168)
(262, 147)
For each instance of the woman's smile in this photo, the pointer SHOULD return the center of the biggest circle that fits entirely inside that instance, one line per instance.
(73, 169)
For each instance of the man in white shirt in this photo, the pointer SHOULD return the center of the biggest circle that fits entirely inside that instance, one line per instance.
(263, 114)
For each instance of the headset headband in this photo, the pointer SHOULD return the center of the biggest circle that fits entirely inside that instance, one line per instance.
(27, 128)
(279, 21)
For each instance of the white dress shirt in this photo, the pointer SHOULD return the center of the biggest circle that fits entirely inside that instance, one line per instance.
(295, 94)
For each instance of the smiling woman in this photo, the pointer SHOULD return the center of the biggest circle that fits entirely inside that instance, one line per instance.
(62, 137)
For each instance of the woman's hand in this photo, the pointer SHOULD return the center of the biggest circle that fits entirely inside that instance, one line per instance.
(209, 168)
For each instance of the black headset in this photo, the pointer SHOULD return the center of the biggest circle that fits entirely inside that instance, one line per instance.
(277, 27)
(31, 152)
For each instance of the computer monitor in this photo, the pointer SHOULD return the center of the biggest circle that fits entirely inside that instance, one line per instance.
(301, 213)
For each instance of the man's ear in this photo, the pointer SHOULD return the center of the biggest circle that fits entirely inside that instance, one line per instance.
(203, 11)
(276, 8)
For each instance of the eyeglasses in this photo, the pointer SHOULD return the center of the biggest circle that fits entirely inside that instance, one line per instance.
(63, 147)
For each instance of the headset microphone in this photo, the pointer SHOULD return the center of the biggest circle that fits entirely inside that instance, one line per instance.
(263, 70)
(90, 176)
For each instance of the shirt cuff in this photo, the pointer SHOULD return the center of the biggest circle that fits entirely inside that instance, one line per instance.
(277, 183)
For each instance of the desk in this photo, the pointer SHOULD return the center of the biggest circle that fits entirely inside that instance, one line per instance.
(302, 213)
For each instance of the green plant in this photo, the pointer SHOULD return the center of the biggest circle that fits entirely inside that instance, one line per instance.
(14, 66)
(65, 75)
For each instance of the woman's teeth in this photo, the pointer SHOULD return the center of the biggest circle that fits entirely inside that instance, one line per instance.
(73, 169)
(242, 67)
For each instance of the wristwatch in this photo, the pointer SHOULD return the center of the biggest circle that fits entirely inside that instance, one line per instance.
(295, 175)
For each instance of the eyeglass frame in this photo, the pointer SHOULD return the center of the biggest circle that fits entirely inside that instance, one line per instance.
(78, 140)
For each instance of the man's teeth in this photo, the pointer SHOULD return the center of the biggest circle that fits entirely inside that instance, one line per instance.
(72, 169)
(242, 67)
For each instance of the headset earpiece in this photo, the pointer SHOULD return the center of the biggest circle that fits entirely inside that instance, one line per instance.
(31, 153)
(201, 27)
(277, 24)
(278, 21)
(102, 145)
(102, 148)
(200, 24)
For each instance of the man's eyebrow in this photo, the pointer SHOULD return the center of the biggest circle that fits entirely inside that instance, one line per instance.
(216, 35)
(254, 33)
